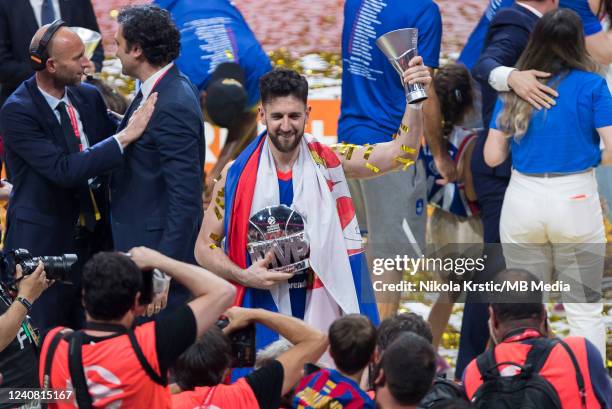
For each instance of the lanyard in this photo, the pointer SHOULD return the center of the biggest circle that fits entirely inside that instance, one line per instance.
(75, 124)
(208, 398)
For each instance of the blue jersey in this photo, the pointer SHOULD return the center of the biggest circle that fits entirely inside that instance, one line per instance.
(591, 23)
(299, 282)
(473, 47)
(373, 99)
(214, 32)
(563, 139)
(328, 388)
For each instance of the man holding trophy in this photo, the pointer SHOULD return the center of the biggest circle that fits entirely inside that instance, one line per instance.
(292, 242)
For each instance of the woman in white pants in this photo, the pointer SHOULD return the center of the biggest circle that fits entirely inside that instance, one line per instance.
(551, 222)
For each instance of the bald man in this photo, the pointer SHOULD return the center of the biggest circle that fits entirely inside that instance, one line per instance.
(59, 141)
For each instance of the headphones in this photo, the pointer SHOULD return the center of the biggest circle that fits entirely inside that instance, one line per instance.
(38, 55)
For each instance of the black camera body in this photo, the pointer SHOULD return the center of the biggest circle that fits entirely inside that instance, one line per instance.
(243, 344)
(56, 267)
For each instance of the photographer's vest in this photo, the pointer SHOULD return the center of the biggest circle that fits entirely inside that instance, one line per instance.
(558, 369)
(116, 375)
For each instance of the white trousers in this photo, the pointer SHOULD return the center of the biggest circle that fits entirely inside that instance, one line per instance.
(553, 227)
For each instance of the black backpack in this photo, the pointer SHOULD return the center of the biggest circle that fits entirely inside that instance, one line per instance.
(441, 392)
(527, 389)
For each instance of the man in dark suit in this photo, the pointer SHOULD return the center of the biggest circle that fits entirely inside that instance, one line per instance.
(19, 20)
(505, 41)
(156, 196)
(57, 136)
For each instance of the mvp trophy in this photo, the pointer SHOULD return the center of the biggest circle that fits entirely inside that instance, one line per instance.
(400, 46)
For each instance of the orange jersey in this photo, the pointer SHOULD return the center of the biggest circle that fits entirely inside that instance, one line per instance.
(115, 377)
(236, 396)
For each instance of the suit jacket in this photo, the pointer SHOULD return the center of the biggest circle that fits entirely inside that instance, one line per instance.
(156, 196)
(17, 27)
(505, 41)
(43, 207)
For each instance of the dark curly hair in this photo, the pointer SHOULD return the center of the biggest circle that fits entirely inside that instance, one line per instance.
(282, 82)
(453, 85)
(153, 30)
(397, 324)
(110, 284)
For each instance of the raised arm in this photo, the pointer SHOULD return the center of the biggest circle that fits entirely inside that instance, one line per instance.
(374, 160)
(308, 343)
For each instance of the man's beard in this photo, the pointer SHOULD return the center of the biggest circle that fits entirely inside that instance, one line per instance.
(278, 142)
(67, 81)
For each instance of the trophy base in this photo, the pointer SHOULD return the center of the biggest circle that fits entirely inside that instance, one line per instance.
(416, 96)
(294, 267)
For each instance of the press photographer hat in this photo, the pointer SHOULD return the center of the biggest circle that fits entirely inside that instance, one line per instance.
(226, 96)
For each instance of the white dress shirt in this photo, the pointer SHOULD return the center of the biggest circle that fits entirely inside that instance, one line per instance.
(498, 77)
(147, 87)
(54, 102)
(37, 5)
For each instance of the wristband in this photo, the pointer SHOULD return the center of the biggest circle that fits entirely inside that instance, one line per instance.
(25, 303)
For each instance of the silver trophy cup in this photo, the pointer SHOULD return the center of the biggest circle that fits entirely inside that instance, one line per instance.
(400, 46)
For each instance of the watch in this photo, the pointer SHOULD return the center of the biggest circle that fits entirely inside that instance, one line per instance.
(25, 303)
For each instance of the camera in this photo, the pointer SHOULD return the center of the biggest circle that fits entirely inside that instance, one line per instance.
(56, 267)
(243, 344)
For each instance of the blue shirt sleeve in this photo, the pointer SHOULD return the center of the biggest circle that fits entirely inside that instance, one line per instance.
(499, 105)
(599, 377)
(602, 104)
(591, 23)
(430, 35)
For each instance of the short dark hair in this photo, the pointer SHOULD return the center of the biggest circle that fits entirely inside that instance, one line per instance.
(352, 340)
(409, 365)
(152, 28)
(517, 305)
(205, 362)
(110, 284)
(397, 324)
(282, 82)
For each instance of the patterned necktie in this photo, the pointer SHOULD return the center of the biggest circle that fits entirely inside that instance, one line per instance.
(47, 14)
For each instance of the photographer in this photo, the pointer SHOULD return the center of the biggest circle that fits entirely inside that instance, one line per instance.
(113, 363)
(200, 370)
(18, 340)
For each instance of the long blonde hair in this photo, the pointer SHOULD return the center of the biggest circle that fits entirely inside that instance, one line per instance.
(556, 46)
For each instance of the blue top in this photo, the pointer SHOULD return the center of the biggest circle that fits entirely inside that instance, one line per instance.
(591, 23)
(297, 283)
(373, 99)
(214, 32)
(473, 47)
(564, 138)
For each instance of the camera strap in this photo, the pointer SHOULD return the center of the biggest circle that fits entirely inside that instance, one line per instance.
(102, 326)
(77, 373)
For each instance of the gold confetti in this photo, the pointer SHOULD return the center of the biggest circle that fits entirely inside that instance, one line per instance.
(220, 202)
(217, 178)
(114, 13)
(372, 167)
(215, 237)
(218, 213)
(212, 246)
(349, 151)
(409, 150)
(394, 136)
(404, 128)
(368, 151)
(221, 192)
(406, 162)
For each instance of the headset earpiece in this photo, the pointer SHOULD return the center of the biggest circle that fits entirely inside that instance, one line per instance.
(39, 55)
